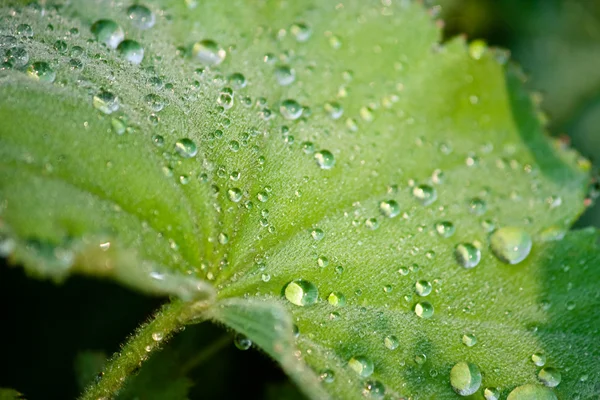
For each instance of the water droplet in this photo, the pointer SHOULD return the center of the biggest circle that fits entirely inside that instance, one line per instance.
(208, 52)
(477, 206)
(391, 342)
(317, 234)
(334, 109)
(538, 359)
(242, 342)
(237, 80)
(290, 109)
(532, 392)
(186, 148)
(25, 30)
(154, 101)
(467, 255)
(337, 299)
(423, 288)
(420, 359)
(157, 336)
(372, 223)
(301, 31)
(469, 339)
(141, 17)
(322, 262)
(234, 194)
(389, 208)
(262, 196)
(108, 32)
(425, 194)
(327, 376)
(465, 378)
(60, 46)
(16, 57)
(511, 245)
(225, 98)
(285, 75)
(223, 238)
(158, 140)
(325, 159)
(301, 292)
(41, 71)
(362, 365)
(105, 102)
(131, 50)
(424, 309)
(374, 390)
(491, 393)
(118, 125)
(445, 229)
(550, 376)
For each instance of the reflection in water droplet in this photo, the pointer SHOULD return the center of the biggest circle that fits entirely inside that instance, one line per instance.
(362, 365)
(511, 245)
(465, 378)
(234, 194)
(467, 255)
(301, 292)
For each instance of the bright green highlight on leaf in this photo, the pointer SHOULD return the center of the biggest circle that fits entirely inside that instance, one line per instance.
(263, 161)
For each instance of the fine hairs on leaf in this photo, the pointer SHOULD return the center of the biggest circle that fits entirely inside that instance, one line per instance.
(379, 212)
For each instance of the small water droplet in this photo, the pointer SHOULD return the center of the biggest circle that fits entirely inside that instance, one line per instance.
(186, 148)
(337, 299)
(511, 245)
(550, 376)
(105, 102)
(157, 336)
(317, 234)
(16, 57)
(423, 288)
(301, 31)
(538, 359)
(41, 71)
(362, 365)
(301, 292)
(334, 109)
(242, 342)
(290, 109)
(391, 342)
(374, 390)
(25, 30)
(237, 80)
(234, 194)
(208, 52)
(327, 376)
(465, 378)
(425, 194)
(467, 255)
(445, 229)
(285, 75)
(131, 51)
(469, 339)
(389, 208)
(491, 393)
(108, 32)
(477, 206)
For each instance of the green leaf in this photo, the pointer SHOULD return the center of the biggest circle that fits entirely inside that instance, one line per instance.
(335, 146)
(10, 394)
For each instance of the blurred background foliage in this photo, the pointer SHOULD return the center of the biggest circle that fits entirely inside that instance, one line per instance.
(54, 338)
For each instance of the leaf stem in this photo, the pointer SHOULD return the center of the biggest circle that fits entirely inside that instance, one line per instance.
(146, 339)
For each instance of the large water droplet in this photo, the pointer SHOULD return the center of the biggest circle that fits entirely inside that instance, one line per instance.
(131, 50)
(301, 292)
(290, 109)
(186, 148)
(425, 194)
(41, 71)
(141, 17)
(105, 102)
(325, 159)
(108, 32)
(389, 208)
(362, 365)
(16, 57)
(465, 378)
(234, 194)
(424, 309)
(423, 288)
(208, 52)
(550, 376)
(467, 255)
(285, 75)
(510, 244)
(532, 392)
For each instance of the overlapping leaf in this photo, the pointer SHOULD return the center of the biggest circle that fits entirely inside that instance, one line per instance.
(312, 121)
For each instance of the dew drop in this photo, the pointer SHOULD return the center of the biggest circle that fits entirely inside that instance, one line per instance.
(131, 51)
(234, 194)
(465, 378)
(389, 208)
(108, 32)
(374, 389)
(423, 288)
(242, 342)
(16, 57)
(158, 140)
(301, 292)
(445, 229)
(301, 31)
(186, 148)
(317, 234)
(41, 71)
(141, 17)
(208, 52)
(469, 339)
(477, 206)
(550, 376)
(290, 109)
(491, 393)
(362, 365)
(511, 245)
(334, 109)
(337, 299)
(424, 309)
(327, 376)
(538, 359)
(467, 255)
(237, 80)
(425, 194)
(372, 223)
(391, 342)
(325, 159)
(157, 336)
(105, 102)
(25, 30)
(532, 392)
(285, 75)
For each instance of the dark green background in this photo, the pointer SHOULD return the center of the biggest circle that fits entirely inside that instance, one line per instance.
(43, 326)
